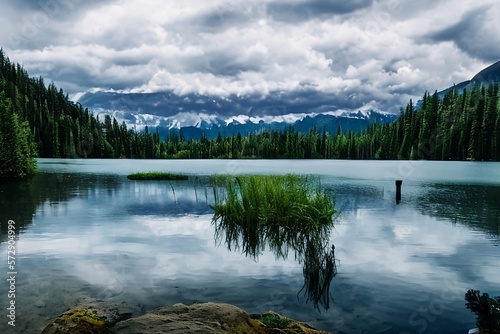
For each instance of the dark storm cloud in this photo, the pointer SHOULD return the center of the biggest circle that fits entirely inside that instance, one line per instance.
(218, 20)
(305, 10)
(470, 35)
(215, 18)
(228, 66)
(358, 54)
(82, 77)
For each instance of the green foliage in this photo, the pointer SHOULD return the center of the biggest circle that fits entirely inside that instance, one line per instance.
(61, 128)
(282, 212)
(487, 310)
(157, 176)
(182, 154)
(275, 204)
(275, 321)
(16, 149)
(458, 126)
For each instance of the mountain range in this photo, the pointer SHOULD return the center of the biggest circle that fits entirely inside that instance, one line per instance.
(194, 114)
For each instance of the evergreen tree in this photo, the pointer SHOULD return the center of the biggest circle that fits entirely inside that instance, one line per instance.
(16, 149)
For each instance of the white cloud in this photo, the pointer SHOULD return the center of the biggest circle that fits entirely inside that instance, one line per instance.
(382, 52)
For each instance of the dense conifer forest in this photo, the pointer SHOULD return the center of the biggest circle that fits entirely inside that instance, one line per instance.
(39, 120)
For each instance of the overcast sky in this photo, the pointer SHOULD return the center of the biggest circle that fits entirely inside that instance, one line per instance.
(371, 54)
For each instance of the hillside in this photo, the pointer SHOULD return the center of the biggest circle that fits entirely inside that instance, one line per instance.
(460, 125)
(60, 128)
(486, 76)
(490, 74)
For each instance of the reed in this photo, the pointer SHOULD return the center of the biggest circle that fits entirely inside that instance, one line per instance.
(279, 209)
(282, 212)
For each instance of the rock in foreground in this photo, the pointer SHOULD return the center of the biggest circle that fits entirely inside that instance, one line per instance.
(93, 318)
(206, 318)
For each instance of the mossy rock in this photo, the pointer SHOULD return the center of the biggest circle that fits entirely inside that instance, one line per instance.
(274, 323)
(209, 318)
(90, 319)
(77, 321)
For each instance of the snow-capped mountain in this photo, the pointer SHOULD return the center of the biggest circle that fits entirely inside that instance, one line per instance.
(196, 114)
(192, 125)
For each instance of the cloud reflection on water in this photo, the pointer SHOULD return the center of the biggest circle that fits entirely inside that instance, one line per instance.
(105, 236)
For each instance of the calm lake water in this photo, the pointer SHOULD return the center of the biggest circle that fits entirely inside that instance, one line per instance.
(86, 232)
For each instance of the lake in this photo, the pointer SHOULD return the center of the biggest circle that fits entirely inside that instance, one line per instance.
(87, 232)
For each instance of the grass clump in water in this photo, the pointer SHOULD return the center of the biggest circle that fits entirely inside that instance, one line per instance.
(281, 209)
(156, 176)
(282, 212)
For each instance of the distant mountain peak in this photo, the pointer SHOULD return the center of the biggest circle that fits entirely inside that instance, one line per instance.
(488, 75)
(192, 125)
(196, 113)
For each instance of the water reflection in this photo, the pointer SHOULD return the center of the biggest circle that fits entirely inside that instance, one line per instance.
(170, 198)
(475, 206)
(20, 199)
(145, 243)
(310, 247)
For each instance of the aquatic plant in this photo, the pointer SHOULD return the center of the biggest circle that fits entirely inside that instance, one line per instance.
(487, 310)
(318, 271)
(282, 212)
(279, 207)
(157, 176)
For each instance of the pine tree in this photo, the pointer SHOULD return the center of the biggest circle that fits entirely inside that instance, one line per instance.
(489, 119)
(496, 139)
(16, 149)
(476, 142)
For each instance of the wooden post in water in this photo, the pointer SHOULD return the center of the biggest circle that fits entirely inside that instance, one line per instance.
(398, 191)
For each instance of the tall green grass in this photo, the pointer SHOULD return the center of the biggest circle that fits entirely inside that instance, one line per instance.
(281, 209)
(283, 212)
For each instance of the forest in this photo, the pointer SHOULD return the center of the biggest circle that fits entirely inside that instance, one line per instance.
(39, 120)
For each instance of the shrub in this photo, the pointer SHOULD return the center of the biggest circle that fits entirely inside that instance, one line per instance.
(487, 310)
